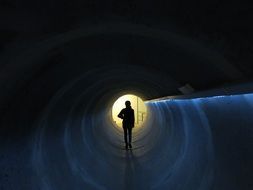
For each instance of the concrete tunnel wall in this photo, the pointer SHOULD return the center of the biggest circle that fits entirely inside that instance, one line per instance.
(202, 143)
(193, 144)
(56, 131)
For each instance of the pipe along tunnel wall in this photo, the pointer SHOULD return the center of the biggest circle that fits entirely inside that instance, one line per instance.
(202, 143)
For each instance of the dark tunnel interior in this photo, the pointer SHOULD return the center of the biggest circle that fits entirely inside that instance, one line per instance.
(63, 65)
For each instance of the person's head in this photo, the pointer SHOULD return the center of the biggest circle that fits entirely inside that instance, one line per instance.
(128, 103)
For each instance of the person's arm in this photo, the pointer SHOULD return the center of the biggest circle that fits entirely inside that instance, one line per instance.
(121, 115)
(133, 120)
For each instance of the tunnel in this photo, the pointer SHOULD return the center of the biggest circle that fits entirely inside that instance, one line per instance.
(57, 94)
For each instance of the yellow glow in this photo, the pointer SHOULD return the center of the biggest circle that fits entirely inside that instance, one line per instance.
(140, 109)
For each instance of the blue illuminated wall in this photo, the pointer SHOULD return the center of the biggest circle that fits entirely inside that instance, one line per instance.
(216, 142)
(187, 144)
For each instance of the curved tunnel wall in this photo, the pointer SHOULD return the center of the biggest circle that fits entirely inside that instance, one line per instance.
(56, 131)
(193, 144)
(202, 143)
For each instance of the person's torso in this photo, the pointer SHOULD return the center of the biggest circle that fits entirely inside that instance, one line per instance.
(128, 116)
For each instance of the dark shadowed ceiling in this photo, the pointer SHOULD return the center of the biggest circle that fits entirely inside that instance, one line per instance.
(206, 44)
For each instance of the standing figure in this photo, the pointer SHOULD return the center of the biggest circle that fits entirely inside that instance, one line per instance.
(127, 114)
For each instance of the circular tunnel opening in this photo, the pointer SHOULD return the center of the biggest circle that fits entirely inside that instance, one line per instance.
(137, 104)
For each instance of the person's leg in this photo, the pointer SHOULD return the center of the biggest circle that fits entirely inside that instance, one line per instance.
(130, 137)
(125, 136)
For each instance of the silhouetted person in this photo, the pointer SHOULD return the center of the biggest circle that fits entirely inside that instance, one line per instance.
(127, 114)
